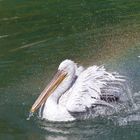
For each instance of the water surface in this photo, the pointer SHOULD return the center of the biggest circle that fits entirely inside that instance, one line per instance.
(35, 36)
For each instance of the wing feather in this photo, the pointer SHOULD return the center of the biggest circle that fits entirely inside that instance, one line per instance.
(93, 83)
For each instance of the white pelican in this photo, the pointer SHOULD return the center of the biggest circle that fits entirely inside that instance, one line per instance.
(74, 92)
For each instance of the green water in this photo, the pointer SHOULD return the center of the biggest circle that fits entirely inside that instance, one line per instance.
(36, 35)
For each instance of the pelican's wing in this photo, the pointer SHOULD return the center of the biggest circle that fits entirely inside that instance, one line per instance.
(91, 88)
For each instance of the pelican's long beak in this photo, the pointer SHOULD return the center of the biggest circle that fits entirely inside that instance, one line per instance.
(58, 78)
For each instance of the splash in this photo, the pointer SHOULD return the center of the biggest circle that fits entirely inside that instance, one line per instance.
(31, 114)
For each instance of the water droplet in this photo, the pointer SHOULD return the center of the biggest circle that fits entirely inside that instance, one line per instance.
(30, 115)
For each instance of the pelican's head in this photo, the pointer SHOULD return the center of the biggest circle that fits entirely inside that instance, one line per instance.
(65, 74)
(68, 66)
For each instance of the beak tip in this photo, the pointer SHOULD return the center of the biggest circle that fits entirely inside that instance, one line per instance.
(32, 110)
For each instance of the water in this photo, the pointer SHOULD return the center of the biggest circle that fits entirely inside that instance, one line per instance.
(35, 36)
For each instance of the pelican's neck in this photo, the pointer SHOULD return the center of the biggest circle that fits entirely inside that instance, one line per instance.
(62, 88)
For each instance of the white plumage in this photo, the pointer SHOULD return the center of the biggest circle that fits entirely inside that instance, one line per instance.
(81, 91)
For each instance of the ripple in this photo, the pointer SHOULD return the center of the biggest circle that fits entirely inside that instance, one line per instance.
(9, 18)
(28, 45)
(3, 36)
(6, 63)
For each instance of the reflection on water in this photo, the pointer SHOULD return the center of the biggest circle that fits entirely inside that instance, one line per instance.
(35, 36)
(71, 130)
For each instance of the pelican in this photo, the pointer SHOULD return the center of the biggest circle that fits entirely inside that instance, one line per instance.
(75, 92)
